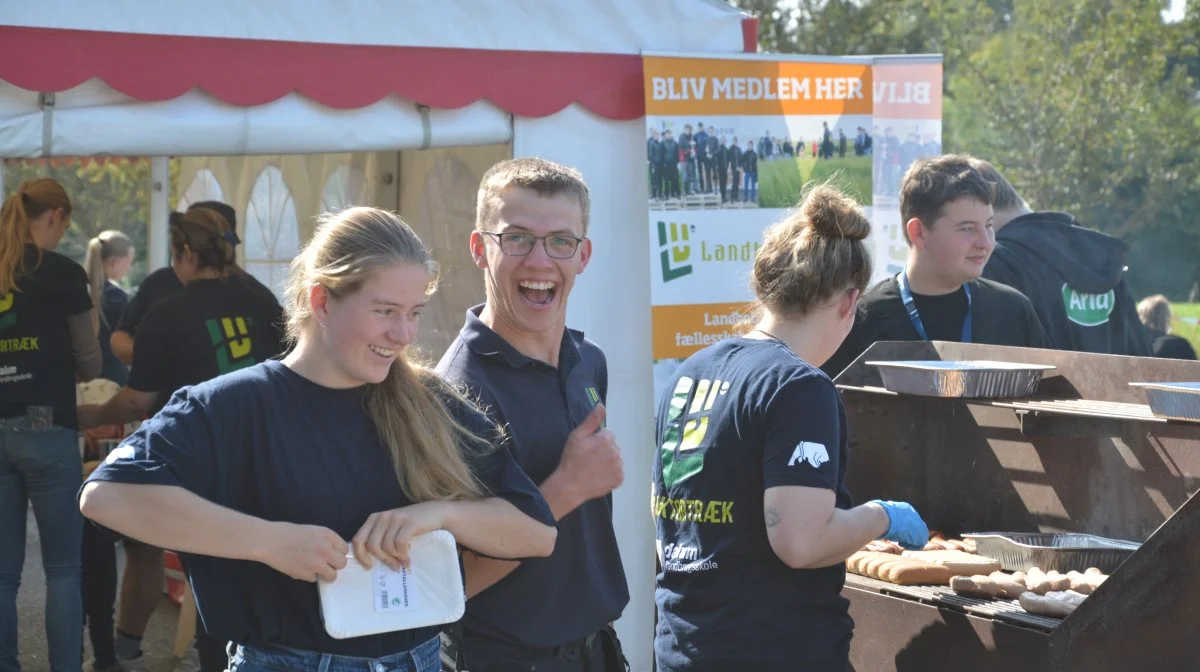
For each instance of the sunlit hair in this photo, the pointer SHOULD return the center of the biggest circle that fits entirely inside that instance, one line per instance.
(210, 237)
(931, 183)
(428, 447)
(542, 177)
(1155, 313)
(108, 245)
(31, 199)
(816, 251)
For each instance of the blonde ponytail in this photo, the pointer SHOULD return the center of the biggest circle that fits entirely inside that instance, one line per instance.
(107, 245)
(31, 199)
(93, 265)
(430, 450)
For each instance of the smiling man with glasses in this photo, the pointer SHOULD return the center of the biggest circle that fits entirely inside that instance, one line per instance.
(546, 384)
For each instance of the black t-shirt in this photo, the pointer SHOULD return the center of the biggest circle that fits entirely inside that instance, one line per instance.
(211, 328)
(1170, 346)
(270, 443)
(37, 366)
(740, 417)
(581, 587)
(157, 286)
(113, 301)
(1000, 315)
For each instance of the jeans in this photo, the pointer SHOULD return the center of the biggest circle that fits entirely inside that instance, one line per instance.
(43, 467)
(421, 658)
(750, 189)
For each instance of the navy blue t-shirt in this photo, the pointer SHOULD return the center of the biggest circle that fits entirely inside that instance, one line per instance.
(581, 587)
(740, 417)
(113, 301)
(270, 443)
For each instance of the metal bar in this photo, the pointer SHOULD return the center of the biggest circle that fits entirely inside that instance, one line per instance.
(158, 239)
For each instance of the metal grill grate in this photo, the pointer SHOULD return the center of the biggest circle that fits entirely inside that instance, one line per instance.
(1004, 610)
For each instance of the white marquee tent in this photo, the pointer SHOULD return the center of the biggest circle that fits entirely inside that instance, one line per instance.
(561, 80)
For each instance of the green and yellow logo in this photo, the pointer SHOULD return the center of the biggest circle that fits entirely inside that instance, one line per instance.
(681, 453)
(7, 319)
(1088, 310)
(675, 250)
(231, 338)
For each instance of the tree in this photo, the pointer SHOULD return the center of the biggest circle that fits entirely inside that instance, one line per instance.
(105, 194)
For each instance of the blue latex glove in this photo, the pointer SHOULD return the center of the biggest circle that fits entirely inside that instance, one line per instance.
(905, 527)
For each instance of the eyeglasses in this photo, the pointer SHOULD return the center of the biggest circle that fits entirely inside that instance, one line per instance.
(519, 244)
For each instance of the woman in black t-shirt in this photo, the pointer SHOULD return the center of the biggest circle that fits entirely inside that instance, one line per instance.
(261, 476)
(754, 522)
(46, 343)
(109, 256)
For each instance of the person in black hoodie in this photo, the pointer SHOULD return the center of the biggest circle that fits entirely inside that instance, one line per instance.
(1074, 276)
(945, 206)
(734, 157)
(669, 168)
(1155, 313)
(654, 158)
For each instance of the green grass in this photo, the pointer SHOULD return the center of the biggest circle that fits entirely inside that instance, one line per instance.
(780, 181)
(1180, 328)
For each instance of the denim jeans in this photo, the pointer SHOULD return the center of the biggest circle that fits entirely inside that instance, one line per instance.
(43, 467)
(421, 658)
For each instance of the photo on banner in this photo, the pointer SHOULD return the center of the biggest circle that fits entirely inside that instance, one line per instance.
(906, 126)
(730, 144)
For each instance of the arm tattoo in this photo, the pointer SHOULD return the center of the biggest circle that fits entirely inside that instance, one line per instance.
(773, 518)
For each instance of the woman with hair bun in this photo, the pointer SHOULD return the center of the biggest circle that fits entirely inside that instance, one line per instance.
(46, 343)
(752, 429)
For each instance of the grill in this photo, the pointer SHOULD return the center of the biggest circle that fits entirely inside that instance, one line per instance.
(1083, 454)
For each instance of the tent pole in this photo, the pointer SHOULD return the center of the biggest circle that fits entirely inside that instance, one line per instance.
(157, 240)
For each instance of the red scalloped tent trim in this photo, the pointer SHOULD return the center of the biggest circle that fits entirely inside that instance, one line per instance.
(254, 72)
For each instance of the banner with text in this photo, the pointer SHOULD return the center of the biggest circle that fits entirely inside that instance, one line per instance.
(730, 143)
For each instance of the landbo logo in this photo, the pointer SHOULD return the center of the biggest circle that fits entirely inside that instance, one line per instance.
(676, 250)
(7, 319)
(231, 337)
(681, 453)
(1088, 310)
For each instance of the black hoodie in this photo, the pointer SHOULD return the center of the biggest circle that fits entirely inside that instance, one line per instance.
(1075, 278)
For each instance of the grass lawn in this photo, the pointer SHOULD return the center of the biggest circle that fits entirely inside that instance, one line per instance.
(1181, 328)
(780, 181)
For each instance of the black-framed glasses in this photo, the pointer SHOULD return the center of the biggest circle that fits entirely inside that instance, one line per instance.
(519, 243)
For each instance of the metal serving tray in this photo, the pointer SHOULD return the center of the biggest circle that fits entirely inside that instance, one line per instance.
(1174, 401)
(1018, 551)
(974, 379)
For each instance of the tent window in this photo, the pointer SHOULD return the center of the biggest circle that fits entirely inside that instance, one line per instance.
(272, 231)
(345, 187)
(204, 187)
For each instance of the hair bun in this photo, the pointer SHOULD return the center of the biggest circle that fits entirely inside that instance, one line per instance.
(832, 214)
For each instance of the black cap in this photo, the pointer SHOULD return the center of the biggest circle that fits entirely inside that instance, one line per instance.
(223, 209)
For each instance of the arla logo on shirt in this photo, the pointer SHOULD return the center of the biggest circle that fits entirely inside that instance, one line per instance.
(675, 250)
(1088, 310)
(813, 453)
(682, 455)
(231, 337)
(7, 319)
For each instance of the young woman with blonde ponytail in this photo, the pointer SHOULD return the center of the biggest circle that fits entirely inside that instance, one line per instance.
(109, 256)
(267, 477)
(46, 344)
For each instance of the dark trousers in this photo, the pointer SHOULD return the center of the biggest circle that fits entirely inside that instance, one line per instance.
(598, 652)
(212, 652)
(733, 195)
(704, 168)
(722, 179)
(655, 190)
(99, 577)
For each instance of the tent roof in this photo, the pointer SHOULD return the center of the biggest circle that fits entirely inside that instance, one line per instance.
(529, 58)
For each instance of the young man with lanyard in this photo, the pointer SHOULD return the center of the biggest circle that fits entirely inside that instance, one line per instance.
(1074, 276)
(946, 207)
(546, 384)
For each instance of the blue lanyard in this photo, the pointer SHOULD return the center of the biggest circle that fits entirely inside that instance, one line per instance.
(913, 316)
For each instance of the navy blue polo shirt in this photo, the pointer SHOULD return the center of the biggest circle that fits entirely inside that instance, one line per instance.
(581, 586)
(270, 443)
